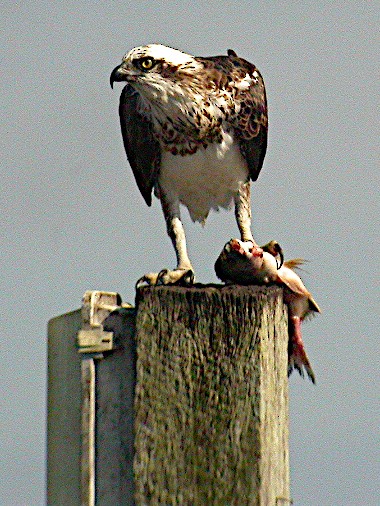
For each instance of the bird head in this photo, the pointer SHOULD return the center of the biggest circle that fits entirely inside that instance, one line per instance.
(154, 64)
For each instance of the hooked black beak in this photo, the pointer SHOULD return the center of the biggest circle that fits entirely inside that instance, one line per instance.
(118, 74)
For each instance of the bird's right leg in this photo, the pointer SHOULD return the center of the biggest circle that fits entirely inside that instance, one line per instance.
(183, 274)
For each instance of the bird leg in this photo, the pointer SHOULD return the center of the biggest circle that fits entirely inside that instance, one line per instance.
(183, 274)
(243, 213)
(243, 219)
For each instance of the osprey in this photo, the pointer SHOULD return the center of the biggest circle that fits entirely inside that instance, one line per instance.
(195, 133)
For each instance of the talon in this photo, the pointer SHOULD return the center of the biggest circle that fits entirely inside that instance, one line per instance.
(281, 259)
(188, 278)
(166, 277)
(281, 255)
(160, 277)
(148, 280)
(140, 282)
(275, 250)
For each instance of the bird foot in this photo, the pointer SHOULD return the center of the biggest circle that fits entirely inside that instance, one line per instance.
(275, 249)
(271, 247)
(178, 277)
(243, 246)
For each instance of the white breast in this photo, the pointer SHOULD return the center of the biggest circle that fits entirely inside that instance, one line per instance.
(208, 179)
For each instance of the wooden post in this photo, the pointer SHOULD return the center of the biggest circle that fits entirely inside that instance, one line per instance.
(211, 410)
(186, 403)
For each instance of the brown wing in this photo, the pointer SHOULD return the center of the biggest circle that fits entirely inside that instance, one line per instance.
(252, 127)
(142, 148)
(253, 150)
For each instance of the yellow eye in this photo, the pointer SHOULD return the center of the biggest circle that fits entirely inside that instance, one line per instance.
(147, 63)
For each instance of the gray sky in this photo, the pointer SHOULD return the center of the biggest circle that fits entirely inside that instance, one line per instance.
(74, 220)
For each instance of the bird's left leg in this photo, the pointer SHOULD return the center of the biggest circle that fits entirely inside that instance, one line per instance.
(243, 219)
(243, 213)
(183, 274)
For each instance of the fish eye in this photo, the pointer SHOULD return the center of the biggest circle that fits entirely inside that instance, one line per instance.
(146, 63)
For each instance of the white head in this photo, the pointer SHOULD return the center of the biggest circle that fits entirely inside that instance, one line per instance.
(157, 71)
(159, 53)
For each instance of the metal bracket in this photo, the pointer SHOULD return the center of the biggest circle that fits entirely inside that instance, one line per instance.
(96, 306)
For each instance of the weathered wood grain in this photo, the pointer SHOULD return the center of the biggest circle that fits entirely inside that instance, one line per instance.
(211, 405)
